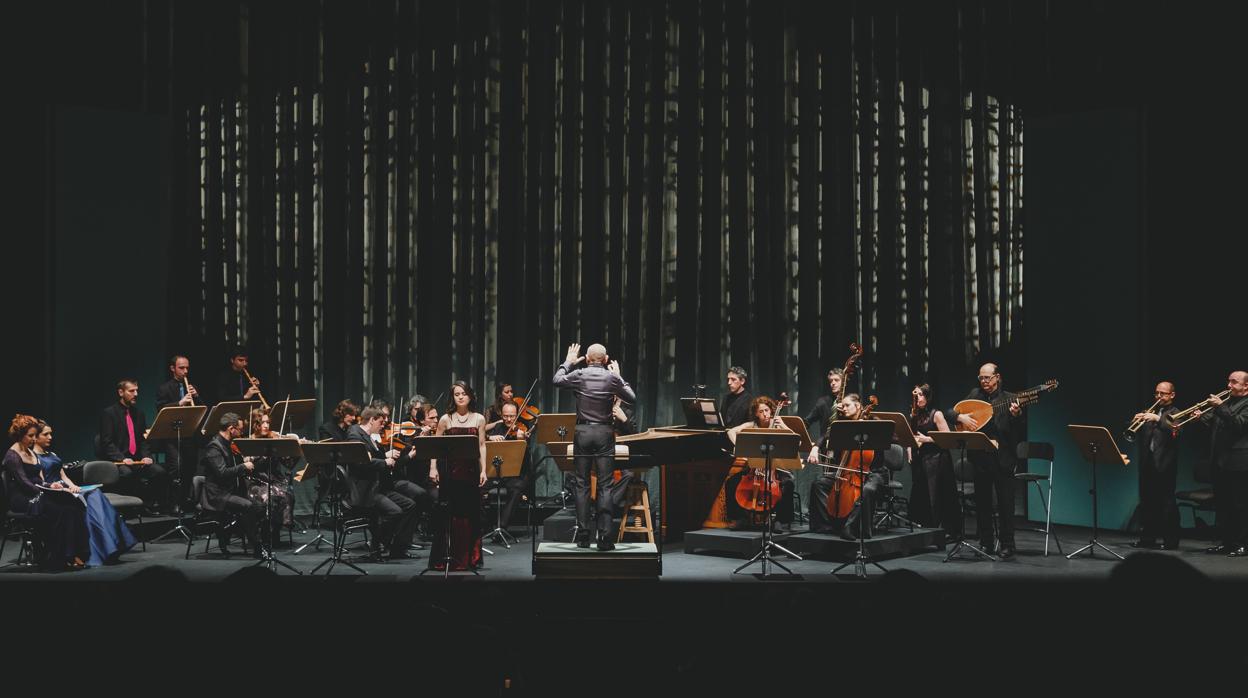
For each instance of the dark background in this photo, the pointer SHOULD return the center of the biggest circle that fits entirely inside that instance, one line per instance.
(1133, 243)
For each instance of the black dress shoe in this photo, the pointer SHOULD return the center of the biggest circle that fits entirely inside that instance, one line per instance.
(1145, 544)
(582, 541)
(1006, 553)
(1219, 550)
(1241, 551)
(605, 545)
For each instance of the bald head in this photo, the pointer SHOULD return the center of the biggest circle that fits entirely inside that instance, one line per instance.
(596, 354)
(1237, 383)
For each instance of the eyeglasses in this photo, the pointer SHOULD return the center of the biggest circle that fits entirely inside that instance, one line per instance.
(987, 378)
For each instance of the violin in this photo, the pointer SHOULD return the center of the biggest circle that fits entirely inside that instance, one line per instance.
(392, 436)
(752, 493)
(847, 489)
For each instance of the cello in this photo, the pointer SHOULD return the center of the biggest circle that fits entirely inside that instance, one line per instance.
(752, 494)
(852, 470)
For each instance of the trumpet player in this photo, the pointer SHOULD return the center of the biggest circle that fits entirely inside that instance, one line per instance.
(1228, 421)
(1158, 457)
(235, 383)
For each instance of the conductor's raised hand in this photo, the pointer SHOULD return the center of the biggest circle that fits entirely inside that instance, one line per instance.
(614, 367)
(574, 354)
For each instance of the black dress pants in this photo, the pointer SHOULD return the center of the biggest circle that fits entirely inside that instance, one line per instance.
(597, 444)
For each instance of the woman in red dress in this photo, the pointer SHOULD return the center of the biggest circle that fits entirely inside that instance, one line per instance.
(459, 485)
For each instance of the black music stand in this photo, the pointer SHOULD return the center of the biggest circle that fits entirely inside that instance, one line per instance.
(903, 436)
(295, 412)
(171, 423)
(555, 427)
(242, 408)
(769, 445)
(507, 458)
(1095, 443)
(272, 448)
(443, 449)
(701, 413)
(860, 435)
(964, 441)
(334, 455)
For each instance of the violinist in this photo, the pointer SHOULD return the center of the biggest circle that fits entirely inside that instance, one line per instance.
(764, 414)
(369, 490)
(224, 490)
(178, 392)
(335, 428)
(840, 473)
(417, 411)
(267, 480)
(503, 394)
(509, 429)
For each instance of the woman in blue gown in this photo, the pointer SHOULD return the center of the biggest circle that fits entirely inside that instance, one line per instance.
(107, 533)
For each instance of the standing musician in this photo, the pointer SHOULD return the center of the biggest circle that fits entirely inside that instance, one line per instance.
(825, 407)
(1158, 457)
(178, 392)
(1228, 420)
(224, 488)
(335, 428)
(508, 430)
(122, 441)
(934, 497)
(233, 383)
(764, 414)
(596, 387)
(367, 488)
(735, 406)
(823, 491)
(994, 470)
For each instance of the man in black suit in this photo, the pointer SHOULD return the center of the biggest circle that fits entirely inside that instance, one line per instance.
(122, 440)
(174, 393)
(1158, 460)
(1228, 421)
(232, 383)
(994, 470)
(223, 482)
(368, 488)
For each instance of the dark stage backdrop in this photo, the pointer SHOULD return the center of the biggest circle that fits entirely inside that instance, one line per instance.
(377, 197)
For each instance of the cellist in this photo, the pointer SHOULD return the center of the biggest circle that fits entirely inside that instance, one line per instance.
(831, 510)
(763, 412)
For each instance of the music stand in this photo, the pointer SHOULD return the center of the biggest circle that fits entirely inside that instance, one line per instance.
(770, 445)
(273, 448)
(860, 435)
(701, 413)
(296, 412)
(311, 470)
(242, 408)
(1095, 443)
(171, 423)
(334, 454)
(963, 441)
(555, 427)
(507, 458)
(903, 436)
(443, 449)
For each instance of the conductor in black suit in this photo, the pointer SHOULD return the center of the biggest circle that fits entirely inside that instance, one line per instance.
(994, 470)
(596, 387)
(223, 481)
(368, 487)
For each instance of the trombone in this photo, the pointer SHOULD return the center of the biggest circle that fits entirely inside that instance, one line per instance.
(1129, 434)
(1178, 419)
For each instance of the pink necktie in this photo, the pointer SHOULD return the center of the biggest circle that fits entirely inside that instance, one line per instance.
(134, 448)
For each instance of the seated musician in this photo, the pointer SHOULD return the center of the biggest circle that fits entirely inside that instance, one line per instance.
(122, 440)
(763, 409)
(369, 488)
(335, 428)
(417, 409)
(824, 492)
(269, 477)
(494, 413)
(224, 486)
(507, 430)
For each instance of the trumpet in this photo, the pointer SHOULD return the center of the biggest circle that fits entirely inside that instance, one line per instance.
(256, 384)
(1178, 419)
(1129, 434)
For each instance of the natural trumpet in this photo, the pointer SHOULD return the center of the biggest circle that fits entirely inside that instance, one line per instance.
(1129, 434)
(1178, 419)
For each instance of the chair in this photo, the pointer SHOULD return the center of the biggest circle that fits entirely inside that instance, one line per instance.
(104, 473)
(204, 518)
(895, 460)
(1201, 499)
(19, 524)
(1042, 451)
